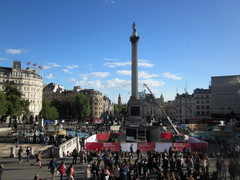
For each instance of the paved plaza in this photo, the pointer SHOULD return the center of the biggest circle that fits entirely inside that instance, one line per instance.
(24, 171)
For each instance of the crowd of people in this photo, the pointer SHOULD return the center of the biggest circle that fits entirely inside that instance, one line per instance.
(168, 165)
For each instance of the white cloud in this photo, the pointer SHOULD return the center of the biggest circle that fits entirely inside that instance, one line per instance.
(117, 64)
(172, 76)
(110, 1)
(99, 74)
(124, 72)
(151, 83)
(50, 76)
(141, 74)
(72, 67)
(14, 51)
(3, 59)
(144, 63)
(141, 63)
(67, 71)
(118, 84)
(51, 65)
(90, 84)
(110, 59)
(95, 75)
(73, 80)
(145, 75)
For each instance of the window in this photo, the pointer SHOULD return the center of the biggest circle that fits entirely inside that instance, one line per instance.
(203, 113)
(197, 107)
(198, 113)
(197, 102)
(202, 107)
(207, 107)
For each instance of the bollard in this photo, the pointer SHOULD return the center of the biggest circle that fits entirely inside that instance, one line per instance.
(13, 152)
(32, 152)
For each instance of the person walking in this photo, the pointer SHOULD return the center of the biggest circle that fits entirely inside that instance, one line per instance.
(52, 167)
(87, 174)
(28, 152)
(16, 142)
(39, 159)
(62, 169)
(1, 170)
(20, 152)
(70, 172)
(74, 155)
(131, 150)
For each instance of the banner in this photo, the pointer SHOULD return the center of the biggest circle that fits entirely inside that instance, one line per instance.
(144, 147)
(115, 147)
(202, 146)
(166, 135)
(94, 146)
(98, 120)
(180, 146)
(103, 137)
(126, 147)
(161, 147)
(91, 139)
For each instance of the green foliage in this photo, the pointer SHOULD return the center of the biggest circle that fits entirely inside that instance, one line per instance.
(14, 103)
(120, 109)
(65, 109)
(49, 112)
(81, 106)
(3, 104)
(13, 96)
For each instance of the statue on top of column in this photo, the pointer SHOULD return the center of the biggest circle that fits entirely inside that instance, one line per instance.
(134, 29)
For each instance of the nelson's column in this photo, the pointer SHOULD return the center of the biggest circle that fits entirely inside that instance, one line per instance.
(134, 104)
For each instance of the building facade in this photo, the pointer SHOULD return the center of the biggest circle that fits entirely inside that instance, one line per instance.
(99, 106)
(225, 96)
(30, 84)
(184, 107)
(202, 103)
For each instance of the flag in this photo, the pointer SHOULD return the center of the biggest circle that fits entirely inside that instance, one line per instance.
(35, 64)
(28, 63)
(40, 67)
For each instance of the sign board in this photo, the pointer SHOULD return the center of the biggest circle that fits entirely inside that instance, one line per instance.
(93, 146)
(161, 147)
(180, 146)
(126, 147)
(103, 137)
(144, 147)
(115, 147)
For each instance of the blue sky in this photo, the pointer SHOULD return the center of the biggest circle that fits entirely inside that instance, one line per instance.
(86, 42)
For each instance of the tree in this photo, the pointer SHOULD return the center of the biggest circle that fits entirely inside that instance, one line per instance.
(49, 112)
(14, 100)
(3, 104)
(81, 106)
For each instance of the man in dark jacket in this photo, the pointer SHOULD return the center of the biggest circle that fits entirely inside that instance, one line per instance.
(52, 167)
(74, 155)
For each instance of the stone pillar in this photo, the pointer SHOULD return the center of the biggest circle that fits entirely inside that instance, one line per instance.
(134, 40)
(13, 151)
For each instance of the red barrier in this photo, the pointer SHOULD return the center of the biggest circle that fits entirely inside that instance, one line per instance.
(94, 146)
(181, 146)
(115, 147)
(166, 135)
(202, 146)
(144, 147)
(103, 137)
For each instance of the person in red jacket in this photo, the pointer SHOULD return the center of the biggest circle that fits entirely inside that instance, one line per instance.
(62, 169)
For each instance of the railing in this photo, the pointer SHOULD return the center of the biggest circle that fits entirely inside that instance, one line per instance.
(67, 146)
(21, 139)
